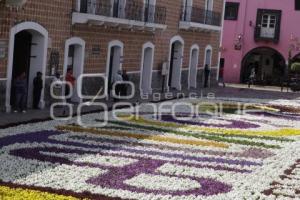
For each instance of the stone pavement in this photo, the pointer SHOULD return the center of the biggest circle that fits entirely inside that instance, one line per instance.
(231, 91)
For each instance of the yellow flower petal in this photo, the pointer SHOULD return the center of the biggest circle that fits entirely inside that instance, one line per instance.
(275, 133)
(7, 193)
(144, 137)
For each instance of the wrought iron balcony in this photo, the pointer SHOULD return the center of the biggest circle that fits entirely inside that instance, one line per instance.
(14, 3)
(121, 11)
(201, 18)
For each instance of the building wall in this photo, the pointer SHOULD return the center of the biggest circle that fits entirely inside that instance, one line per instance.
(247, 15)
(53, 16)
(56, 18)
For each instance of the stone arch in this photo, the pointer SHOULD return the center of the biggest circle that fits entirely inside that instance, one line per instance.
(39, 37)
(193, 66)
(147, 68)
(176, 50)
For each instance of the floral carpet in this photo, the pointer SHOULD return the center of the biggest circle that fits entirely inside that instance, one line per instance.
(219, 151)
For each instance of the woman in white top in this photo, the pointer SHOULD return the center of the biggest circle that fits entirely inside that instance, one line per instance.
(57, 87)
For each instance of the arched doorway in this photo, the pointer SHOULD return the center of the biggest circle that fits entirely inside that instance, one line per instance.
(114, 62)
(175, 58)
(207, 62)
(296, 58)
(146, 68)
(193, 67)
(269, 66)
(208, 56)
(28, 45)
(74, 59)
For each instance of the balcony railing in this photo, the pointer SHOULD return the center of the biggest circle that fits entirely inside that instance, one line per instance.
(201, 16)
(129, 10)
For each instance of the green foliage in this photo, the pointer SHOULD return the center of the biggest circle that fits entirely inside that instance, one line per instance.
(213, 137)
(295, 67)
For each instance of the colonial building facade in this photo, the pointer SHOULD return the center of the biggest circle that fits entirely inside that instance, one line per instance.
(100, 37)
(262, 34)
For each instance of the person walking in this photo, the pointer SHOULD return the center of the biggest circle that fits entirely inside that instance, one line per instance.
(221, 76)
(252, 77)
(69, 88)
(37, 89)
(57, 87)
(70, 79)
(20, 85)
(206, 75)
(117, 81)
(124, 86)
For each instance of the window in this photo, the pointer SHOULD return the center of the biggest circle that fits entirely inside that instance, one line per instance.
(268, 25)
(187, 10)
(297, 4)
(208, 56)
(209, 5)
(231, 11)
(268, 21)
(118, 9)
(149, 10)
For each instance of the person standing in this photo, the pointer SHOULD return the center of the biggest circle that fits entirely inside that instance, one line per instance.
(70, 79)
(20, 85)
(117, 81)
(221, 76)
(206, 75)
(57, 88)
(252, 77)
(124, 86)
(37, 89)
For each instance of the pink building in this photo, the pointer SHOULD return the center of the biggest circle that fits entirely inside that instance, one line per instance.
(259, 34)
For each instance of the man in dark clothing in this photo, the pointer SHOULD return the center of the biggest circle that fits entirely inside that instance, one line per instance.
(221, 76)
(20, 85)
(124, 86)
(37, 89)
(206, 75)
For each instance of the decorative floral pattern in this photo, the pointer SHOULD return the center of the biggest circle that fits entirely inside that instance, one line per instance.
(287, 185)
(231, 156)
